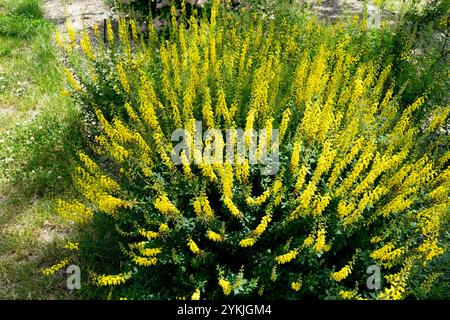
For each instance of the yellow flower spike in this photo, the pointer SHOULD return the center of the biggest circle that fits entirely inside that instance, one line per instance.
(226, 286)
(186, 166)
(248, 242)
(163, 228)
(274, 190)
(232, 207)
(124, 35)
(71, 79)
(72, 34)
(123, 78)
(198, 207)
(150, 252)
(216, 237)
(320, 245)
(73, 246)
(196, 295)
(287, 257)
(301, 74)
(109, 32)
(301, 177)
(321, 204)
(207, 210)
(296, 285)
(59, 41)
(55, 268)
(112, 280)
(110, 204)
(341, 274)
(97, 33)
(387, 254)
(143, 261)
(148, 234)
(85, 44)
(75, 211)
(134, 31)
(193, 247)
(263, 225)
(221, 107)
(438, 118)
(163, 204)
(295, 158)
(348, 294)
(398, 283)
(309, 240)
(430, 249)
(207, 111)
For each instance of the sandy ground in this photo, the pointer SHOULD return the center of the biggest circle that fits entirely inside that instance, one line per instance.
(80, 12)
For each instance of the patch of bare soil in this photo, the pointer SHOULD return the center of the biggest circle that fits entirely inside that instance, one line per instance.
(80, 12)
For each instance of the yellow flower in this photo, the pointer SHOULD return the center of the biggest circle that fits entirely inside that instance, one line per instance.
(263, 225)
(148, 234)
(143, 261)
(196, 295)
(248, 242)
(72, 246)
(387, 254)
(112, 280)
(85, 43)
(226, 286)
(309, 241)
(348, 294)
(149, 252)
(398, 283)
(59, 40)
(430, 249)
(266, 194)
(109, 32)
(193, 247)
(207, 210)
(123, 78)
(214, 236)
(341, 274)
(53, 269)
(287, 257)
(295, 158)
(71, 79)
(301, 178)
(163, 204)
(284, 123)
(110, 204)
(75, 211)
(163, 228)
(96, 31)
(321, 204)
(320, 241)
(134, 31)
(296, 285)
(72, 34)
(232, 207)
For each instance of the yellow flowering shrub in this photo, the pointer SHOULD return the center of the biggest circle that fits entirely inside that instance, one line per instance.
(357, 184)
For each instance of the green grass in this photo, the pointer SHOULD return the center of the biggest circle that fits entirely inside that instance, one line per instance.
(38, 130)
(31, 236)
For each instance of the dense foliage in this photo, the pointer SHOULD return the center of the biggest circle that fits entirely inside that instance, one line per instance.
(362, 181)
